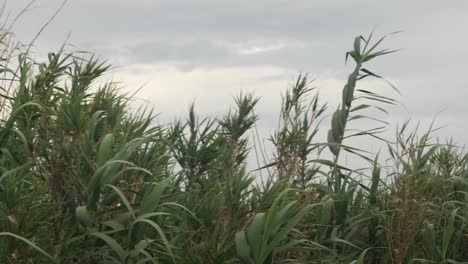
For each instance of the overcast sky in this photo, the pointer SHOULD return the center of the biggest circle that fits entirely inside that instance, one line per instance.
(208, 51)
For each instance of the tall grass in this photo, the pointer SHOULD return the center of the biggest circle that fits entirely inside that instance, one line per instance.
(85, 180)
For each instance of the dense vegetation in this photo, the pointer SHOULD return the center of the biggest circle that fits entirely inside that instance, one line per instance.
(83, 179)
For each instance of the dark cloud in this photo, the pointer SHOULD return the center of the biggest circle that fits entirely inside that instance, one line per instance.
(194, 51)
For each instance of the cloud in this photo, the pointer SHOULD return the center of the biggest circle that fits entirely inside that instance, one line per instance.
(171, 90)
(209, 50)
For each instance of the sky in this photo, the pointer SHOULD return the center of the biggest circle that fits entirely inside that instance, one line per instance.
(208, 51)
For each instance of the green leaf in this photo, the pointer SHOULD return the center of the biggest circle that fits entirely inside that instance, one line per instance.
(105, 149)
(255, 231)
(31, 244)
(361, 259)
(153, 196)
(83, 216)
(243, 247)
(111, 243)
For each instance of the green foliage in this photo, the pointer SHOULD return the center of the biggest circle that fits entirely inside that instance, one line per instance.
(265, 235)
(83, 179)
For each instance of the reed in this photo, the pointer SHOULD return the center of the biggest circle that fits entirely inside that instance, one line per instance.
(83, 179)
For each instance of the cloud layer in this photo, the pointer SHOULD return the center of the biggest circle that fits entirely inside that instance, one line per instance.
(210, 50)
